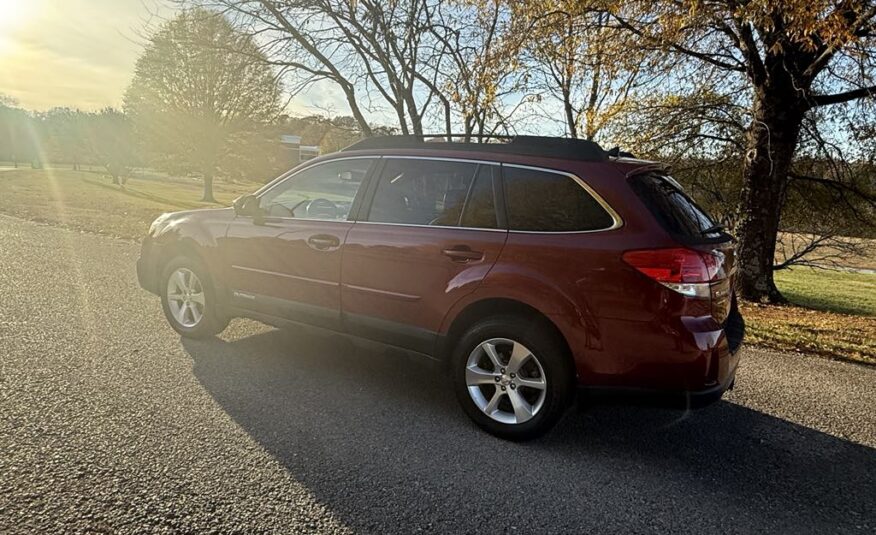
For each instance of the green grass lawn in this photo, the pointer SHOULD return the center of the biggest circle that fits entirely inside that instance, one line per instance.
(189, 192)
(832, 313)
(830, 291)
(88, 201)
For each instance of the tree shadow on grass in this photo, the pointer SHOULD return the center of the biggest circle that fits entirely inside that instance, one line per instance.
(379, 439)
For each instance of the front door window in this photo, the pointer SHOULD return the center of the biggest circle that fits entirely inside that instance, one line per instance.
(324, 191)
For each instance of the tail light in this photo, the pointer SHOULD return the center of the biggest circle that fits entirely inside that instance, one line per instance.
(685, 271)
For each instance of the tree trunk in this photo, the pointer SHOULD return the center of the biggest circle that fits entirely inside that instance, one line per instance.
(208, 188)
(772, 140)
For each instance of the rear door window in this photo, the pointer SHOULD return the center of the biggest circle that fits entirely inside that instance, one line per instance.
(480, 208)
(422, 192)
(543, 201)
(675, 211)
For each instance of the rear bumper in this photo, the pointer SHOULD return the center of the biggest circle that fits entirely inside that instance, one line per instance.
(687, 361)
(676, 399)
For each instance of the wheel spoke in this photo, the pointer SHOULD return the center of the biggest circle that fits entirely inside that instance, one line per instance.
(180, 281)
(479, 376)
(522, 408)
(198, 298)
(175, 297)
(530, 382)
(196, 314)
(490, 350)
(519, 355)
(493, 405)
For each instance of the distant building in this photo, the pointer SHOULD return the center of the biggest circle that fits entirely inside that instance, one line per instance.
(297, 152)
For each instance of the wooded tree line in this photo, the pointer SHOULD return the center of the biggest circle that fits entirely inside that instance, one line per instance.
(66, 135)
(107, 140)
(765, 108)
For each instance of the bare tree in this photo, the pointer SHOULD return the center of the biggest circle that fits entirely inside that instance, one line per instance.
(426, 63)
(371, 50)
(581, 64)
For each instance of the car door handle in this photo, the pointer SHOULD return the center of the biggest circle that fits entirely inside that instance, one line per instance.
(323, 242)
(463, 253)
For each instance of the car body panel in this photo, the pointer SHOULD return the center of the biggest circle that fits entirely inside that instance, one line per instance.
(400, 274)
(277, 267)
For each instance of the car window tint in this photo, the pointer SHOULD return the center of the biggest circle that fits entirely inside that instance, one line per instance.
(324, 191)
(674, 210)
(421, 192)
(480, 208)
(550, 202)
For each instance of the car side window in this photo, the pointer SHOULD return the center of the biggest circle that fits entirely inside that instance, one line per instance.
(542, 201)
(323, 191)
(480, 208)
(421, 192)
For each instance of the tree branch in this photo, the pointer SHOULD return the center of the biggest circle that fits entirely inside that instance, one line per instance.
(846, 96)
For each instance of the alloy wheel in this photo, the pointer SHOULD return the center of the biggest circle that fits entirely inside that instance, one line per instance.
(505, 380)
(185, 297)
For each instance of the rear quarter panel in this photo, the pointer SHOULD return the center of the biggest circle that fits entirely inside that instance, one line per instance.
(622, 329)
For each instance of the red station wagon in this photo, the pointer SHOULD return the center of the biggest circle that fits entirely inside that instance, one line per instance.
(532, 267)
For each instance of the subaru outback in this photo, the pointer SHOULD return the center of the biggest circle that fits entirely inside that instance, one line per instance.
(531, 268)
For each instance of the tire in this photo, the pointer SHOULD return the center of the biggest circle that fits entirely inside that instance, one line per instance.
(189, 279)
(542, 376)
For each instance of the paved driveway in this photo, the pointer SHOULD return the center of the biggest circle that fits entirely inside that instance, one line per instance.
(110, 423)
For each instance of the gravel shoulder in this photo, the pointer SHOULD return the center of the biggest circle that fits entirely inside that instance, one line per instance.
(109, 422)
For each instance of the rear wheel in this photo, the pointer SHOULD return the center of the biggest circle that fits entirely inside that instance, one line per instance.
(189, 299)
(513, 376)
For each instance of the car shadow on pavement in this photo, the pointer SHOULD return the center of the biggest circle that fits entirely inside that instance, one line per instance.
(379, 439)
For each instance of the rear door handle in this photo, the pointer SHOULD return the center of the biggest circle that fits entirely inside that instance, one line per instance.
(463, 253)
(323, 242)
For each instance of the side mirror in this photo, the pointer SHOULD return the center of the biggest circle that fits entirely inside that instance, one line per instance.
(248, 205)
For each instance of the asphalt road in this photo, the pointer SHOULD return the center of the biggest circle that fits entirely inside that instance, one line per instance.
(109, 422)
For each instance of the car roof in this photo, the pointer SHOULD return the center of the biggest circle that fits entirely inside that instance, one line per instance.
(537, 146)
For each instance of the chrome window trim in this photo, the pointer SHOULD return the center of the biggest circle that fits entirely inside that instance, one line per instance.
(617, 222)
(441, 159)
(430, 226)
(276, 218)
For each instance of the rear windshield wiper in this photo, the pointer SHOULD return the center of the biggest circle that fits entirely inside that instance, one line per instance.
(713, 229)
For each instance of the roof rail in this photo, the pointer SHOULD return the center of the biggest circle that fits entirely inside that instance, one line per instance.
(550, 147)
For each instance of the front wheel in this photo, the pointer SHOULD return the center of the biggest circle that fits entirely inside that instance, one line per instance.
(513, 377)
(189, 299)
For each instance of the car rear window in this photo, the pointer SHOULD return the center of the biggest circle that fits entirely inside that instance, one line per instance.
(677, 213)
(544, 201)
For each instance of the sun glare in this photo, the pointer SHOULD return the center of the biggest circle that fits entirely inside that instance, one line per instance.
(14, 14)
